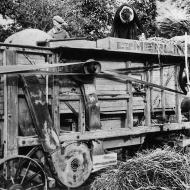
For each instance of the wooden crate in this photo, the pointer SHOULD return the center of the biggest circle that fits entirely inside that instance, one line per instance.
(137, 46)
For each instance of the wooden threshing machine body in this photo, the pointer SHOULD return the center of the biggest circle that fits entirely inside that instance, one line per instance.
(137, 94)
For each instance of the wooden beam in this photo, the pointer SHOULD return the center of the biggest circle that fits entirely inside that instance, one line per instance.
(163, 97)
(55, 99)
(5, 139)
(177, 98)
(106, 134)
(121, 142)
(81, 119)
(12, 107)
(129, 109)
(123, 78)
(148, 102)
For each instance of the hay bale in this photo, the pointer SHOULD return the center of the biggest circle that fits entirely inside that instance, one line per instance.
(152, 170)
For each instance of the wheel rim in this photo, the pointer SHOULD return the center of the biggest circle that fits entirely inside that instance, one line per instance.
(21, 173)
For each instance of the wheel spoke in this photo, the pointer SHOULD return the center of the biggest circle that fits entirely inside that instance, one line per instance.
(31, 178)
(18, 171)
(25, 173)
(13, 182)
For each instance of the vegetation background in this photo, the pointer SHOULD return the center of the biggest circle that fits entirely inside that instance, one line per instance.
(93, 18)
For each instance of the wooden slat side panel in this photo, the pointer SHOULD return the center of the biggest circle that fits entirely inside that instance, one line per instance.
(30, 59)
(169, 82)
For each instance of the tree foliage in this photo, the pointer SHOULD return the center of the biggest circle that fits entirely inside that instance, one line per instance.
(97, 17)
(86, 18)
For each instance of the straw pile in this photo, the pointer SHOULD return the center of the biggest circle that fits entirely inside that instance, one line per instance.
(160, 169)
(172, 20)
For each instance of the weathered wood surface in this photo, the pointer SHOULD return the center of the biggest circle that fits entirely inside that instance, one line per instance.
(139, 46)
(72, 43)
(11, 111)
(106, 134)
(114, 97)
(1, 87)
(105, 87)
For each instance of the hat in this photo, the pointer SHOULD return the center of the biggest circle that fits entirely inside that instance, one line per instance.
(126, 14)
(59, 20)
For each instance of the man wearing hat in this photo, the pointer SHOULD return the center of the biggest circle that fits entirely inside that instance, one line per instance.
(58, 31)
(125, 23)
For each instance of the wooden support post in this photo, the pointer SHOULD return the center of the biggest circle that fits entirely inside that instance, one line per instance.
(177, 98)
(82, 124)
(5, 107)
(129, 108)
(55, 101)
(151, 93)
(92, 107)
(148, 102)
(129, 113)
(11, 108)
(162, 93)
(47, 80)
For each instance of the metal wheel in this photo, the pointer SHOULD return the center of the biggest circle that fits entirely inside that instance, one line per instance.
(21, 173)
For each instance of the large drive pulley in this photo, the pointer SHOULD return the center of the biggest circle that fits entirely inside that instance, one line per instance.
(73, 164)
(22, 173)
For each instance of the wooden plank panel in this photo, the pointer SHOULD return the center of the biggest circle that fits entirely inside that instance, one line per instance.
(116, 105)
(168, 75)
(63, 108)
(111, 124)
(111, 87)
(30, 59)
(25, 121)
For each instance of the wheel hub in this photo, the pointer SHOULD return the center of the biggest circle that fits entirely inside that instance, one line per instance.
(75, 164)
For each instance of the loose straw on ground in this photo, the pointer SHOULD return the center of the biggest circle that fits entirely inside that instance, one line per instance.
(160, 169)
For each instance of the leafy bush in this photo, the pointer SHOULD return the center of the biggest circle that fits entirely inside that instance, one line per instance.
(87, 18)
